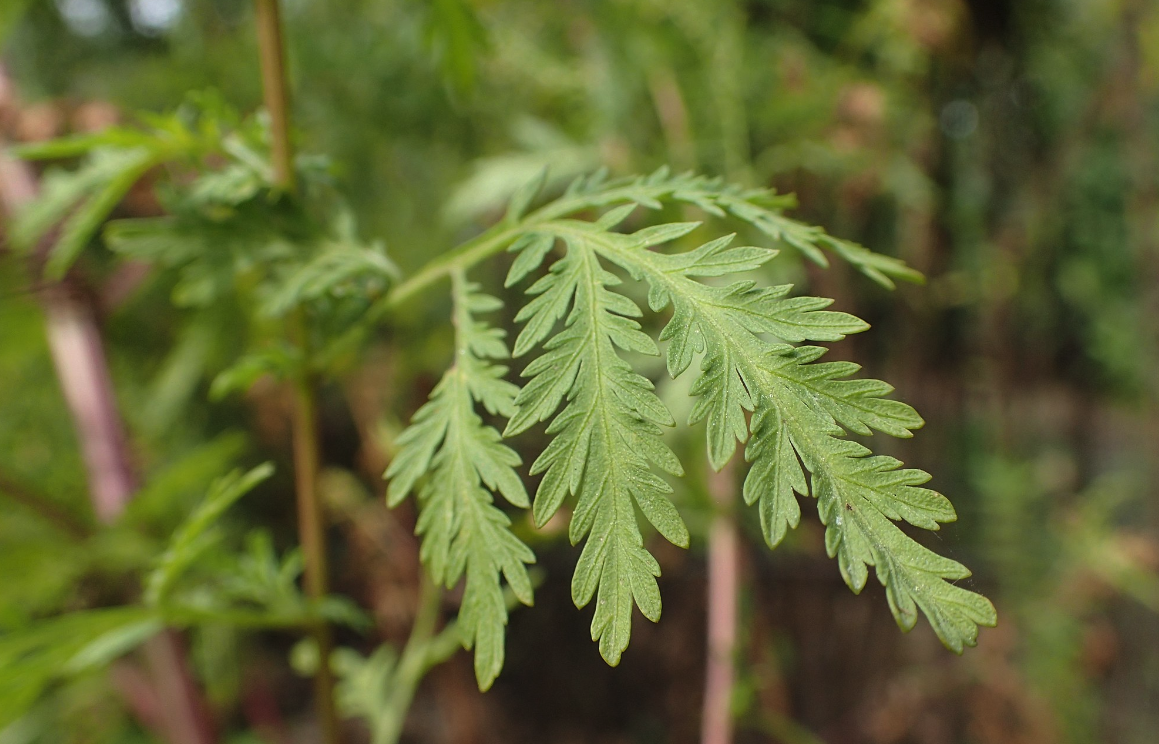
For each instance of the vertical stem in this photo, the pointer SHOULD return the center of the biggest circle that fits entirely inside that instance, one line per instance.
(726, 69)
(79, 357)
(673, 115)
(717, 31)
(723, 586)
(311, 525)
(183, 713)
(312, 536)
(275, 88)
(412, 664)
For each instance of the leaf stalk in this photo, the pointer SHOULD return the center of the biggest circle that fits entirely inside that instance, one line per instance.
(422, 651)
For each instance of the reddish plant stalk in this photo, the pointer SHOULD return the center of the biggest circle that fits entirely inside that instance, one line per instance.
(79, 358)
(723, 589)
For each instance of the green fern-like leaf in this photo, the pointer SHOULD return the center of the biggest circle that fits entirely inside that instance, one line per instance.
(464, 461)
(761, 208)
(801, 409)
(752, 386)
(606, 438)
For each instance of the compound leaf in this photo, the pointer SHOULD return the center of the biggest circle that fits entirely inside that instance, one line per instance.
(800, 409)
(606, 438)
(461, 462)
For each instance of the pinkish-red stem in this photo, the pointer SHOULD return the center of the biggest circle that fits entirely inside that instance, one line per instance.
(83, 371)
(723, 588)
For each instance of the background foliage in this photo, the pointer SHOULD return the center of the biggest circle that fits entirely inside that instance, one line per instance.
(1005, 149)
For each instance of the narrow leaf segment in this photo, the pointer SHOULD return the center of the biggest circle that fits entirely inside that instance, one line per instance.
(461, 462)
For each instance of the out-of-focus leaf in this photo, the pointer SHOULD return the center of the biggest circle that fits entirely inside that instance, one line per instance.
(166, 495)
(32, 658)
(79, 201)
(195, 535)
(457, 39)
(280, 362)
(112, 645)
(10, 13)
(495, 180)
(339, 269)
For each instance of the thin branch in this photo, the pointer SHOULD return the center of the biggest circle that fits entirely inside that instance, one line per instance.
(311, 525)
(423, 650)
(312, 536)
(673, 115)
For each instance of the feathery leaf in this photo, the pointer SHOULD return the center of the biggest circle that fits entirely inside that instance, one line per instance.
(606, 438)
(801, 409)
(464, 462)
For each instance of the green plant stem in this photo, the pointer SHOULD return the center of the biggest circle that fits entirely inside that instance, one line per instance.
(423, 650)
(312, 536)
(275, 88)
(311, 524)
(460, 259)
(492, 241)
(182, 616)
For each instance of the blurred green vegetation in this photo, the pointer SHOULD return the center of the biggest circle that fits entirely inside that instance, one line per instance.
(1006, 149)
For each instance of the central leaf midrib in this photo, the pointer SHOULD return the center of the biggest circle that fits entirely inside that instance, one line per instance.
(594, 333)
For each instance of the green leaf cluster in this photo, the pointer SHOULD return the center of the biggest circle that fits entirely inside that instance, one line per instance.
(190, 585)
(753, 385)
(231, 233)
(75, 203)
